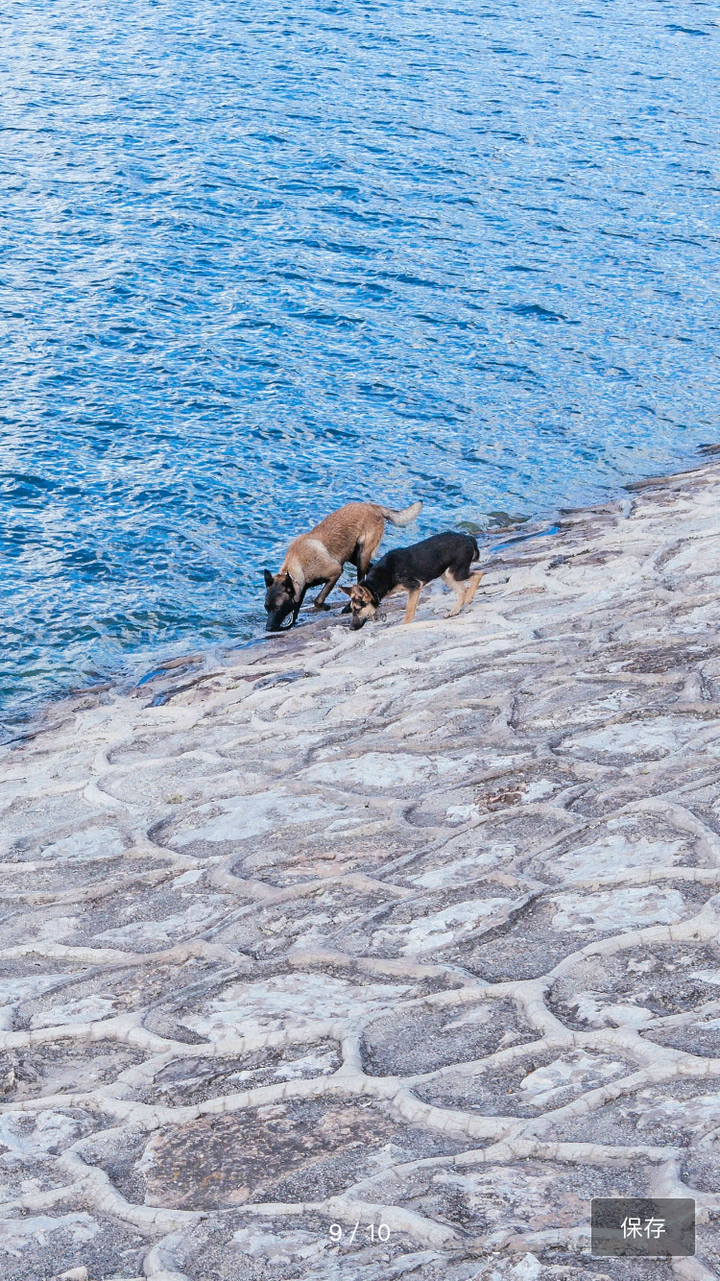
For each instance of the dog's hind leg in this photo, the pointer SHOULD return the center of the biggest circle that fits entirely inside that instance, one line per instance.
(412, 604)
(472, 586)
(364, 561)
(459, 589)
(366, 547)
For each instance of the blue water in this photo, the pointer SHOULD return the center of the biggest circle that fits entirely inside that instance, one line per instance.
(261, 259)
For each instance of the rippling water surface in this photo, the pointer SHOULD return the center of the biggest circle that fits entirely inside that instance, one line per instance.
(261, 259)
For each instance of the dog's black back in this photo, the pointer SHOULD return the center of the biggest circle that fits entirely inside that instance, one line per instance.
(410, 567)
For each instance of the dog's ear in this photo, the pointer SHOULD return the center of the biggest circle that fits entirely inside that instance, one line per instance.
(375, 599)
(346, 590)
(289, 585)
(268, 578)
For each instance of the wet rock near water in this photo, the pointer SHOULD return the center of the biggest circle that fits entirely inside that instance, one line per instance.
(379, 954)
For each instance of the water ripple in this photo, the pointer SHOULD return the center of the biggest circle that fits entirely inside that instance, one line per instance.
(257, 262)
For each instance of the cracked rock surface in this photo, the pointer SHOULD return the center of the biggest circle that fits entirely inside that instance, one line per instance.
(377, 955)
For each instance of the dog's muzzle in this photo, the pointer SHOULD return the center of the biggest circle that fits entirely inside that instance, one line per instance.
(277, 623)
(357, 623)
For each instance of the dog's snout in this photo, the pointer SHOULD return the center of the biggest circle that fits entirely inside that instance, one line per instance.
(357, 623)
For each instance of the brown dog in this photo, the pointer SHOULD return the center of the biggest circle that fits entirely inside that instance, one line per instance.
(353, 533)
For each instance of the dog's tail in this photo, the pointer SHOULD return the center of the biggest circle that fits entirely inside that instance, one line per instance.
(404, 517)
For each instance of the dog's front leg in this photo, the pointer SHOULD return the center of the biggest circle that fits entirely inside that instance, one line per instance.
(412, 603)
(296, 606)
(320, 602)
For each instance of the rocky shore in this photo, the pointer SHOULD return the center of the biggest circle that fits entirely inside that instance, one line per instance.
(378, 955)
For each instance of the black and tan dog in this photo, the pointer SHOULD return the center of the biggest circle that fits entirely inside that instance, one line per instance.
(352, 533)
(408, 569)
